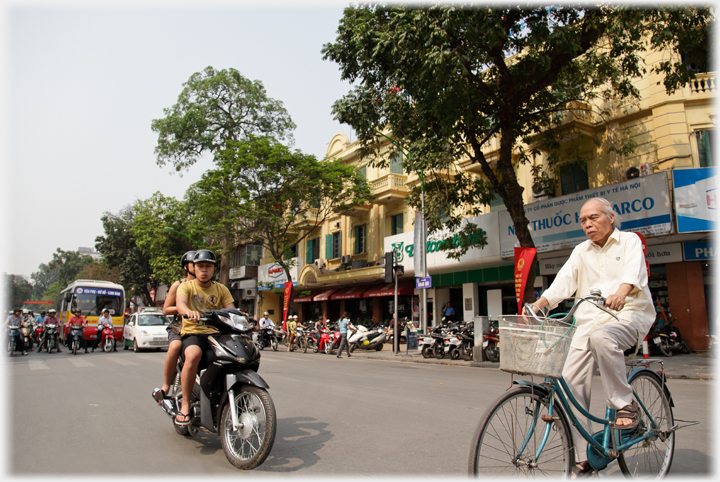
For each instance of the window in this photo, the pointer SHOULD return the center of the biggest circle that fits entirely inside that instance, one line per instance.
(247, 255)
(333, 245)
(292, 251)
(705, 142)
(573, 178)
(396, 166)
(497, 203)
(363, 172)
(312, 250)
(360, 238)
(396, 224)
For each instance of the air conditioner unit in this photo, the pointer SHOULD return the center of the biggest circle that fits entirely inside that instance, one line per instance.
(637, 171)
(249, 293)
(319, 263)
(360, 263)
(646, 169)
(346, 259)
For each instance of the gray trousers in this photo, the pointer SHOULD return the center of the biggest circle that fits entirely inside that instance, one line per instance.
(343, 343)
(604, 351)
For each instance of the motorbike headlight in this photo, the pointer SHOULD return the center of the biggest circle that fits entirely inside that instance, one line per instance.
(236, 321)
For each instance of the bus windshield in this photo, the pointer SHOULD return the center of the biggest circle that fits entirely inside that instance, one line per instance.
(94, 304)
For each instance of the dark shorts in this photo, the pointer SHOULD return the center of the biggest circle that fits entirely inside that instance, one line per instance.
(172, 336)
(202, 342)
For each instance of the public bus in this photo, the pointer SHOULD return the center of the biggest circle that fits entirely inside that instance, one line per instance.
(92, 297)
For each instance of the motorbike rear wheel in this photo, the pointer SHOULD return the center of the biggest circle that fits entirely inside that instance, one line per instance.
(492, 353)
(664, 347)
(454, 353)
(250, 445)
(379, 346)
(427, 352)
(439, 351)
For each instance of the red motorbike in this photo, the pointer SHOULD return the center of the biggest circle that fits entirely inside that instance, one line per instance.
(326, 343)
(107, 342)
(37, 334)
(491, 345)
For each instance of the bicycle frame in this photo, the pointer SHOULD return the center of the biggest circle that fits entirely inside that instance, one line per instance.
(561, 392)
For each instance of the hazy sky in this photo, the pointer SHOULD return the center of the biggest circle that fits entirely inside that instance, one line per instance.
(82, 85)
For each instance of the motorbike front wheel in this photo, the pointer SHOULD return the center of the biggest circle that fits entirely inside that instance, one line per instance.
(304, 345)
(664, 347)
(75, 346)
(439, 351)
(274, 344)
(454, 353)
(250, 445)
(11, 347)
(108, 345)
(328, 348)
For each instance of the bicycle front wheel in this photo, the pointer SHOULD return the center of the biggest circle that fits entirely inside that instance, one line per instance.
(653, 457)
(507, 439)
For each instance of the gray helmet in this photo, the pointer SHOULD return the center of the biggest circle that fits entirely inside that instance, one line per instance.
(204, 255)
(187, 258)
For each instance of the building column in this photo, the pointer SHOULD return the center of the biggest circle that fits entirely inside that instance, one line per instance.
(470, 291)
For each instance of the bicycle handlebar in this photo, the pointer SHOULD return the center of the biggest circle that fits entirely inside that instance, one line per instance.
(595, 297)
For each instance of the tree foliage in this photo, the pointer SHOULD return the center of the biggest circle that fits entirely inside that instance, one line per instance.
(262, 189)
(216, 107)
(448, 81)
(17, 290)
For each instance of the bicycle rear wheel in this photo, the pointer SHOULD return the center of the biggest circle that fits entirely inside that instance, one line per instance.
(653, 457)
(507, 425)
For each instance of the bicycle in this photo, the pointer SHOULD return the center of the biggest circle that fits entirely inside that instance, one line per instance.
(527, 430)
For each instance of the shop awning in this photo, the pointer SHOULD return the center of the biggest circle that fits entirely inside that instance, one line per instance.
(307, 296)
(324, 295)
(350, 292)
(405, 287)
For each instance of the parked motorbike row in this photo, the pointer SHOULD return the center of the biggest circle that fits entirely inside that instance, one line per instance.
(664, 338)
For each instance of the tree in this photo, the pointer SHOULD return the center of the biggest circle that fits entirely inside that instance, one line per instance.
(262, 192)
(216, 107)
(120, 251)
(18, 290)
(449, 80)
(43, 278)
(68, 265)
(163, 247)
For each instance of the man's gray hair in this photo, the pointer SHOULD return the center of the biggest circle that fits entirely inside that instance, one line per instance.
(605, 206)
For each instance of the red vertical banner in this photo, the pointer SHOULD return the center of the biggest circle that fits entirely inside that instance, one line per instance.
(523, 263)
(644, 245)
(286, 302)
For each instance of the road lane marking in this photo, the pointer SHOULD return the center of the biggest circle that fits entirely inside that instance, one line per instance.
(122, 361)
(37, 365)
(80, 362)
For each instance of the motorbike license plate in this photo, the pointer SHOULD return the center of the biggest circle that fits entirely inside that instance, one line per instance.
(656, 340)
(485, 343)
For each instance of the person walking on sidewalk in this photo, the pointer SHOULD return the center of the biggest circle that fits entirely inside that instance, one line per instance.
(344, 325)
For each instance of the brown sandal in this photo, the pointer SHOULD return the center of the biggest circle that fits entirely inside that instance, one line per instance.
(630, 412)
(581, 469)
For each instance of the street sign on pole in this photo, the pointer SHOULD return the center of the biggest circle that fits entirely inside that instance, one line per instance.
(423, 283)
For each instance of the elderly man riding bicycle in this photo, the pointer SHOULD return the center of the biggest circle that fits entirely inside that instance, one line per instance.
(612, 261)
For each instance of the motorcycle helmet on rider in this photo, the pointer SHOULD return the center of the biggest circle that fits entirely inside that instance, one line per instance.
(187, 258)
(204, 255)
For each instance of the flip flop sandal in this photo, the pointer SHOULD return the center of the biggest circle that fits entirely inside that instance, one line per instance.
(179, 423)
(630, 412)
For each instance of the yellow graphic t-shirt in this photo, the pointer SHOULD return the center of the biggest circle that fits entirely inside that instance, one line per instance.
(201, 299)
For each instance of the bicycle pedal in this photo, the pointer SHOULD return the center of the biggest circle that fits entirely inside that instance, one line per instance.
(549, 418)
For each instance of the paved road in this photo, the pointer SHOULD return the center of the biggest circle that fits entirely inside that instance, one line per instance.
(335, 417)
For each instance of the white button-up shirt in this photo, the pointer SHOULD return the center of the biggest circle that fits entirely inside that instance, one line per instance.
(620, 261)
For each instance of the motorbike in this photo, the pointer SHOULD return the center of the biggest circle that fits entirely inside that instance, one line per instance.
(467, 345)
(450, 346)
(491, 344)
(107, 340)
(300, 341)
(229, 398)
(51, 337)
(666, 339)
(372, 339)
(326, 344)
(13, 333)
(27, 332)
(78, 339)
(37, 334)
(267, 337)
(428, 342)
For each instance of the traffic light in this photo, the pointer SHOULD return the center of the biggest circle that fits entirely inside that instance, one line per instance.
(389, 267)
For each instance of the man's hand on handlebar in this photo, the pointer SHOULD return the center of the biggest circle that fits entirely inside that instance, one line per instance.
(193, 315)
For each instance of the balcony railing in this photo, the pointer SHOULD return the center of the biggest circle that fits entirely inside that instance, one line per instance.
(703, 84)
(389, 188)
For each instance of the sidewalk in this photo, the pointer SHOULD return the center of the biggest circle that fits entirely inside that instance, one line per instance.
(696, 366)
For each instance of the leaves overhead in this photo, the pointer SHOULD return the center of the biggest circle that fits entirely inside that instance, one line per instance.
(216, 107)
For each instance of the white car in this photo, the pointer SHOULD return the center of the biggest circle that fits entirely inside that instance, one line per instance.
(146, 329)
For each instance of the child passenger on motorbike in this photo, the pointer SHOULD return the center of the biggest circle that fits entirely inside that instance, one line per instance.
(195, 297)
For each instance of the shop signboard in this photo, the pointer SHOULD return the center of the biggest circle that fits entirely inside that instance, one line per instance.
(641, 204)
(272, 275)
(423, 283)
(699, 251)
(696, 202)
(487, 228)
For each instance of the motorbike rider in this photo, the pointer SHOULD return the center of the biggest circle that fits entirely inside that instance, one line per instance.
(16, 319)
(105, 319)
(193, 298)
(76, 319)
(320, 325)
(612, 261)
(50, 318)
(169, 309)
(291, 325)
(265, 321)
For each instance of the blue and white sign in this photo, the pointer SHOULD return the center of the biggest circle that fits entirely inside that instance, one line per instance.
(272, 275)
(696, 199)
(641, 204)
(98, 292)
(423, 283)
(699, 251)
